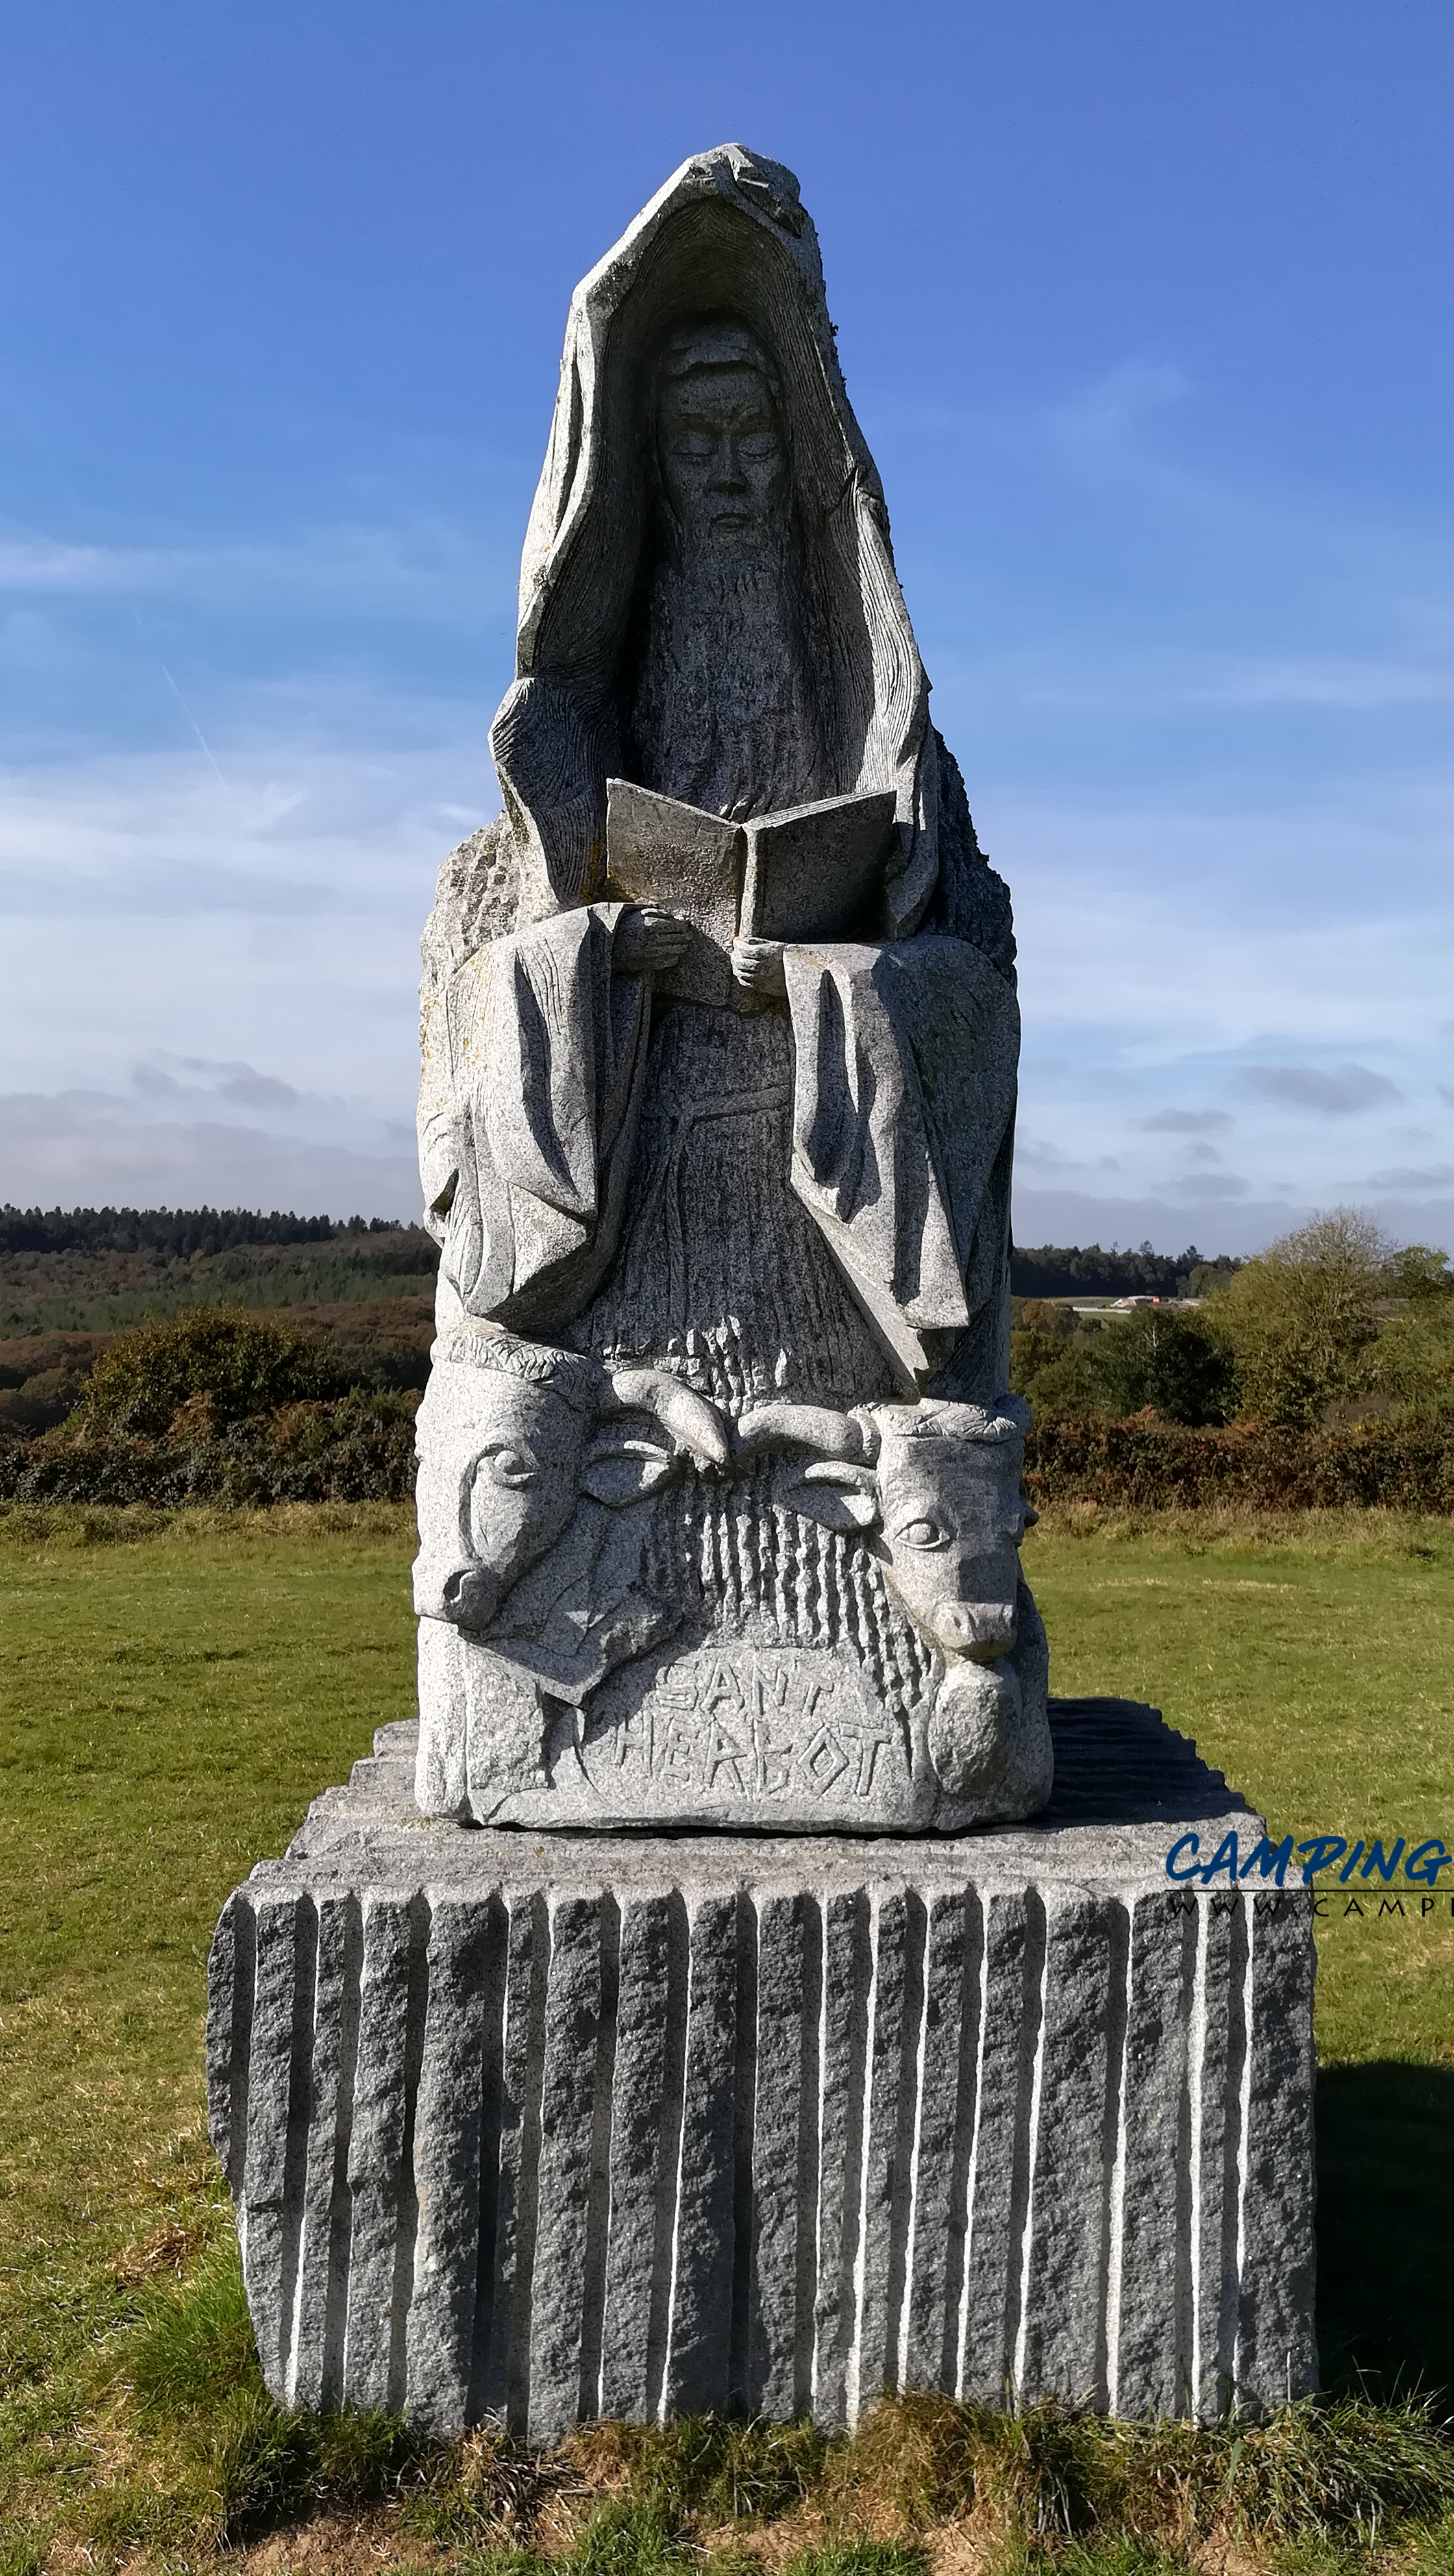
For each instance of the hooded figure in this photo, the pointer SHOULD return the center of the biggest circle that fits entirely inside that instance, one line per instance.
(803, 1193)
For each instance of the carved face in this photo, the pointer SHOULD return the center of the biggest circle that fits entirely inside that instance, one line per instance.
(498, 1481)
(505, 1461)
(723, 459)
(520, 1487)
(952, 1518)
(943, 1512)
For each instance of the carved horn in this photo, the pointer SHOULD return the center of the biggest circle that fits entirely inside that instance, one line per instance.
(679, 1409)
(849, 1436)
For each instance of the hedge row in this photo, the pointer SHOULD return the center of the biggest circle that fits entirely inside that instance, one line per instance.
(1152, 1465)
(359, 1450)
(362, 1450)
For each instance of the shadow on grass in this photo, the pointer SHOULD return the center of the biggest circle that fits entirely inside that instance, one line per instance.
(1386, 2229)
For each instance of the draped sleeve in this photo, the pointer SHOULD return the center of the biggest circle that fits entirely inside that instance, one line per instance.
(528, 1114)
(903, 1113)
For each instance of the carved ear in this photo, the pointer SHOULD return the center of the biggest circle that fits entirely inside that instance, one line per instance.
(832, 1491)
(618, 1469)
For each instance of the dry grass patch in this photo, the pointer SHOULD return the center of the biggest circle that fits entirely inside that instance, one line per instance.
(1390, 1536)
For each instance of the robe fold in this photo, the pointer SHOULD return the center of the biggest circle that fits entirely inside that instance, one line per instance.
(880, 1104)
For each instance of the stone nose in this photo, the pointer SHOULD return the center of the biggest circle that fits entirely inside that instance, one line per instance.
(976, 1627)
(471, 1595)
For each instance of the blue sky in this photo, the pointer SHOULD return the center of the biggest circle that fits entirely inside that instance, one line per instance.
(1145, 309)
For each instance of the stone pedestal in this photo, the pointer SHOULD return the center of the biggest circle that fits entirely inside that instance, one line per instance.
(541, 2128)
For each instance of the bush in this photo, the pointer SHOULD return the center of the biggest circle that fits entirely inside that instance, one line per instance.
(1175, 1363)
(358, 1450)
(40, 1401)
(240, 1364)
(1150, 1466)
(1301, 1320)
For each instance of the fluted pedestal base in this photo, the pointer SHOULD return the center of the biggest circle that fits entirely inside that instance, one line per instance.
(542, 2128)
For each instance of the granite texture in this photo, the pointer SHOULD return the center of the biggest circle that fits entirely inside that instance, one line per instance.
(571, 1676)
(543, 2127)
(719, 1045)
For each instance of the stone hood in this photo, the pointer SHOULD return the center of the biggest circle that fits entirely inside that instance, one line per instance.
(726, 235)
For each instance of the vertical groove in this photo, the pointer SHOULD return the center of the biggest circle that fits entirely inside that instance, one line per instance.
(842, 1985)
(668, 2177)
(340, 2216)
(1242, 1972)
(598, 2205)
(1238, 2073)
(900, 2345)
(864, 1991)
(244, 2000)
(295, 2148)
(1027, 2137)
(527, 2181)
(1113, 2154)
(966, 2128)
(1188, 2158)
(809, 2155)
(1234, 2085)
(408, 2200)
(739, 2344)
(492, 2107)
(959, 2378)
(913, 2041)
(1196, 2051)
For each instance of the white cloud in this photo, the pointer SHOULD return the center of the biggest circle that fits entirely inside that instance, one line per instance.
(1186, 928)
(416, 565)
(1209, 1185)
(155, 919)
(92, 1149)
(1432, 1176)
(1185, 1122)
(42, 563)
(1327, 680)
(1242, 1226)
(1343, 1091)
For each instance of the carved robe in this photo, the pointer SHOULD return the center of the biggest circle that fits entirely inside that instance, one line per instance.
(791, 1200)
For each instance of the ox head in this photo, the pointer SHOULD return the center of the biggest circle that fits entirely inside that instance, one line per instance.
(934, 1488)
(511, 1435)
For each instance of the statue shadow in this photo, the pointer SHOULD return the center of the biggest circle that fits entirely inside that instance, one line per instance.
(1385, 2136)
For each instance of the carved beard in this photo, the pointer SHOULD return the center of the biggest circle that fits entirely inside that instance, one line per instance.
(722, 715)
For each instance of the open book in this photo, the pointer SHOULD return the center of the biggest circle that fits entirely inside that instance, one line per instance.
(811, 872)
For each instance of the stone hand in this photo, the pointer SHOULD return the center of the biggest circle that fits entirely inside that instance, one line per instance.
(649, 941)
(758, 964)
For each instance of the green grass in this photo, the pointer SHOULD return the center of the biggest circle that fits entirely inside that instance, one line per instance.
(173, 1691)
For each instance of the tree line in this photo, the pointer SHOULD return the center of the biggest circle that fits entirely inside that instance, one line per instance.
(1075, 1270)
(177, 1233)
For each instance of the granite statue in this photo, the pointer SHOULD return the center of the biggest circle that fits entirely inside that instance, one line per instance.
(720, 1508)
(719, 1485)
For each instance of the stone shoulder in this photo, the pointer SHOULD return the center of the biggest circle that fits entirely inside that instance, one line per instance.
(971, 901)
(476, 897)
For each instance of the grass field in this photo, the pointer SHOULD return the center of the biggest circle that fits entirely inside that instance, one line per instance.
(172, 1693)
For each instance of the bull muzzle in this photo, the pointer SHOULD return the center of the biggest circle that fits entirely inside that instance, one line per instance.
(982, 1630)
(467, 1595)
